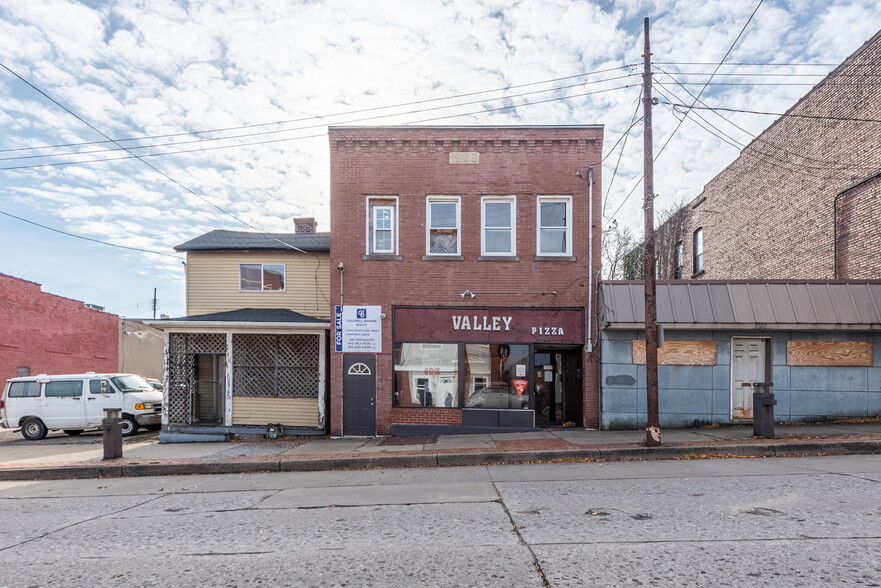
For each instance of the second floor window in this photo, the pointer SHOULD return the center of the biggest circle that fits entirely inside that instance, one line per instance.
(382, 238)
(698, 251)
(261, 277)
(677, 269)
(443, 226)
(554, 226)
(499, 231)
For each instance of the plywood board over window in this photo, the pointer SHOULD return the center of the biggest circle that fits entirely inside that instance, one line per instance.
(830, 353)
(679, 353)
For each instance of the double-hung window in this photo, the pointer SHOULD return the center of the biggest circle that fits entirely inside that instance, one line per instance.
(499, 230)
(677, 269)
(554, 226)
(698, 251)
(382, 226)
(261, 277)
(442, 226)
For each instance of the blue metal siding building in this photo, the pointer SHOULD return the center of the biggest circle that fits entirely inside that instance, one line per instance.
(819, 343)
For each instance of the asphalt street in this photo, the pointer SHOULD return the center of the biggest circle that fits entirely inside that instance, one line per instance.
(724, 522)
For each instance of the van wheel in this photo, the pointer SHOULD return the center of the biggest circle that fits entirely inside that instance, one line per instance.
(33, 429)
(73, 432)
(129, 426)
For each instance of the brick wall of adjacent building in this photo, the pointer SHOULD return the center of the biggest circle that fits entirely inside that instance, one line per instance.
(413, 163)
(52, 335)
(770, 214)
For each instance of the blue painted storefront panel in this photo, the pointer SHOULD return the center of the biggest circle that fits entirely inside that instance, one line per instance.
(840, 379)
(814, 403)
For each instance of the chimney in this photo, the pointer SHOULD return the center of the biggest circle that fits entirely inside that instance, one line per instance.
(304, 225)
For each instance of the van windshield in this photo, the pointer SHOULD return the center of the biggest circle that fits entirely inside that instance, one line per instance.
(131, 384)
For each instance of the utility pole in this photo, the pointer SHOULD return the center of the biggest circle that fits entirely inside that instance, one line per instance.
(652, 423)
(154, 303)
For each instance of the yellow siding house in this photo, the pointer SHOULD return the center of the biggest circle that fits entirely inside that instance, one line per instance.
(251, 354)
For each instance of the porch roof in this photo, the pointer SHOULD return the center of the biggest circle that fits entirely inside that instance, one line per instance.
(768, 305)
(244, 317)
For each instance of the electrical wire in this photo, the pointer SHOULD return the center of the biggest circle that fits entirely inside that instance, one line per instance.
(828, 164)
(633, 122)
(323, 134)
(727, 53)
(174, 181)
(783, 115)
(30, 222)
(334, 115)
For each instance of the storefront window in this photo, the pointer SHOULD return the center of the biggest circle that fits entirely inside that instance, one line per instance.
(426, 375)
(496, 376)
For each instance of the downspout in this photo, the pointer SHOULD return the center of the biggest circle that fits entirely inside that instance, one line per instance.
(590, 259)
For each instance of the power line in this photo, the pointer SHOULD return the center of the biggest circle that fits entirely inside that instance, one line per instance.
(727, 53)
(633, 122)
(89, 238)
(276, 131)
(334, 115)
(174, 181)
(323, 134)
(782, 115)
(829, 164)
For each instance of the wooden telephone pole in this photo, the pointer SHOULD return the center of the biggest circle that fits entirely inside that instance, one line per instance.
(652, 423)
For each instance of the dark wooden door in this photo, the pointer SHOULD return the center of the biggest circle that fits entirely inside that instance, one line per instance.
(359, 395)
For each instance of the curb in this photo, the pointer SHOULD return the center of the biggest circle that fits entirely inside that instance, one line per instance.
(425, 460)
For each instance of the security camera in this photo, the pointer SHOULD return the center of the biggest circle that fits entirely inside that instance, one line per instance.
(340, 266)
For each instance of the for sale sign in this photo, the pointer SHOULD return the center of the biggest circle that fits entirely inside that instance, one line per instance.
(358, 329)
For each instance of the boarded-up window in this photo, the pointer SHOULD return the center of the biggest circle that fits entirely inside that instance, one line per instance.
(830, 353)
(679, 353)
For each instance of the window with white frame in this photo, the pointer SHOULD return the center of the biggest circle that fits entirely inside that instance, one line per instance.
(382, 226)
(499, 228)
(554, 226)
(698, 244)
(677, 268)
(261, 277)
(442, 235)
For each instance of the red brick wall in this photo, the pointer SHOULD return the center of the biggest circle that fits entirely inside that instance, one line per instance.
(412, 163)
(769, 214)
(52, 335)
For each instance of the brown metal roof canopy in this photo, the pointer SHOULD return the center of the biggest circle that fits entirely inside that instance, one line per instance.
(778, 305)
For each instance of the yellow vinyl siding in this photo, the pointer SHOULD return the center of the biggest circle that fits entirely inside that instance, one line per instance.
(213, 282)
(293, 412)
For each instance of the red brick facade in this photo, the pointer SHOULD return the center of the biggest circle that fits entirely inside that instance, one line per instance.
(49, 334)
(801, 197)
(406, 165)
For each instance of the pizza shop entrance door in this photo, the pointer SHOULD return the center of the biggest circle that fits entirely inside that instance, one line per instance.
(557, 394)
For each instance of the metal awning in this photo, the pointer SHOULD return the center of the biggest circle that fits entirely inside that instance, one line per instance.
(779, 305)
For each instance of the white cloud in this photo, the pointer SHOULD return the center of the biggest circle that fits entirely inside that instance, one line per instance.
(135, 68)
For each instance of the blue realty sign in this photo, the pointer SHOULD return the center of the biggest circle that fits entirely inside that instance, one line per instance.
(338, 322)
(358, 329)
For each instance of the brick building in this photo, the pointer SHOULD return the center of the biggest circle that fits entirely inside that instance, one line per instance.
(42, 333)
(476, 251)
(802, 201)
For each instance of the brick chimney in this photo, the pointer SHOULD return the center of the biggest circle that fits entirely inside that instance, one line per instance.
(304, 225)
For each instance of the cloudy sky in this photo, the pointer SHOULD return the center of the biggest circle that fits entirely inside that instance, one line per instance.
(227, 104)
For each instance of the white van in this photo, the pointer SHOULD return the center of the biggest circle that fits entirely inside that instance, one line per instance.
(75, 402)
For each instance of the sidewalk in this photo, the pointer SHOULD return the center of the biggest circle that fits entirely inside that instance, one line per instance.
(46, 461)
